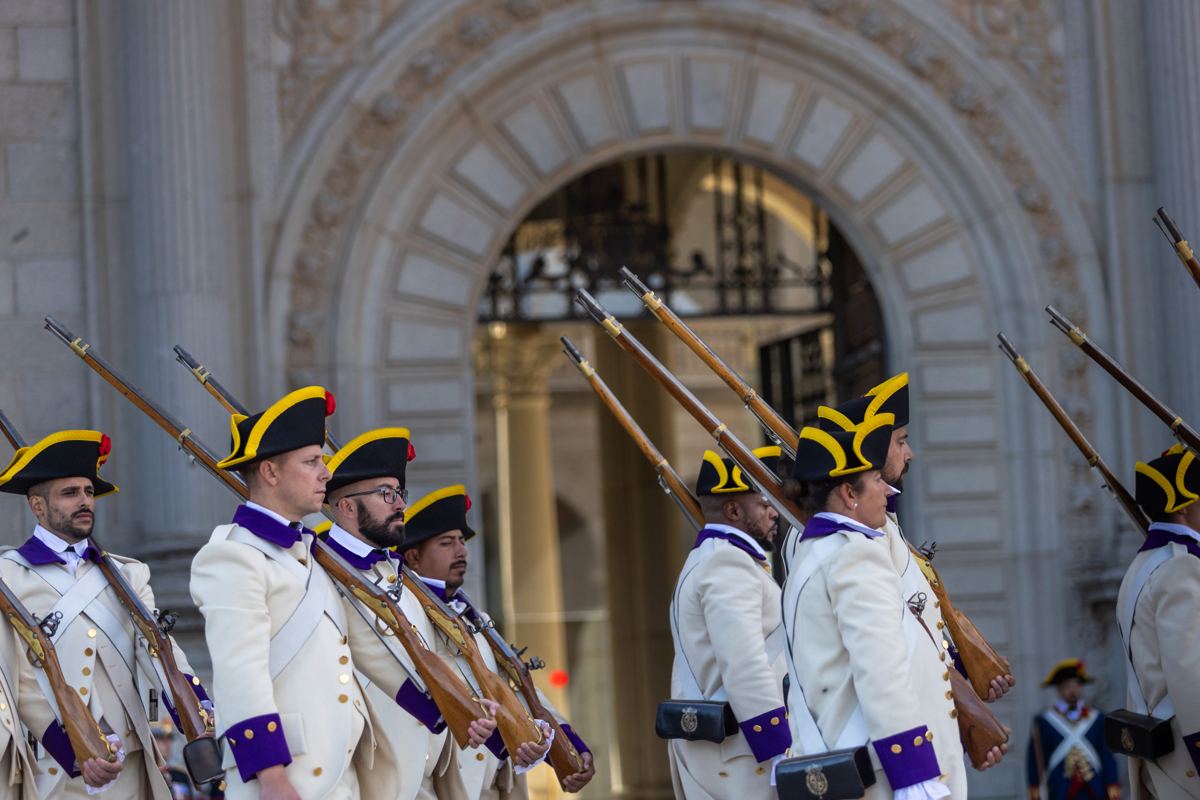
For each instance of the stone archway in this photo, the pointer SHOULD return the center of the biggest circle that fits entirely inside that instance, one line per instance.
(413, 178)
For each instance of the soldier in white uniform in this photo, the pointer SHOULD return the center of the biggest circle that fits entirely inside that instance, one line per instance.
(285, 652)
(861, 658)
(1158, 608)
(728, 644)
(367, 498)
(56, 571)
(436, 532)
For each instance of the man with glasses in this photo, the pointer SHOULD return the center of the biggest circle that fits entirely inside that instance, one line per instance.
(367, 498)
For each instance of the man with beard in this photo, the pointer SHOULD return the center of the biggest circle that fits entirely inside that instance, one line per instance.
(367, 498)
(1066, 752)
(725, 621)
(435, 548)
(56, 572)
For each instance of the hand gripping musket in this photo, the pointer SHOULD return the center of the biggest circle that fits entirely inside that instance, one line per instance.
(201, 755)
(777, 428)
(1182, 248)
(1110, 483)
(668, 478)
(460, 706)
(1185, 433)
(741, 455)
(516, 726)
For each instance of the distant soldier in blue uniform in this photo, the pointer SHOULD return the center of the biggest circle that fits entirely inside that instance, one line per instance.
(1066, 751)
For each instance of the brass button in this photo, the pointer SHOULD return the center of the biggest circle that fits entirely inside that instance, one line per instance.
(87, 670)
(954, 713)
(317, 771)
(248, 734)
(940, 624)
(917, 741)
(83, 690)
(943, 657)
(391, 578)
(344, 660)
(53, 770)
(271, 726)
(758, 728)
(946, 675)
(479, 756)
(723, 774)
(1191, 773)
(760, 770)
(195, 681)
(937, 603)
(343, 698)
(949, 694)
(3, 706)
(91, 633)
(774, 720)
(88, 651)
(232, 742)
(896, 749)
(343, 678)
(945, 645)
(344, 640)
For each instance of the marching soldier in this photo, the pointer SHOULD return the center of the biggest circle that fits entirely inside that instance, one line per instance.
(728, 642)
(56, 572)
(436, 532)
(367, 498)
(1066, 752)
(1157, 609)
(284, 649)
(847, 614)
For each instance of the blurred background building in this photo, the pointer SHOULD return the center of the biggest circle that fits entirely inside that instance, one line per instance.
(394, 198)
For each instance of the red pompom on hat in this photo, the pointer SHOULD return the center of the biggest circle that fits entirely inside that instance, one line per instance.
(330, 403)
(412, 452)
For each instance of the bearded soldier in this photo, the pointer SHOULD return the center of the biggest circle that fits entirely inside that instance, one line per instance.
(1157, 609)
(728, 643)
(56, 571)
(367, 498)
(436, 532)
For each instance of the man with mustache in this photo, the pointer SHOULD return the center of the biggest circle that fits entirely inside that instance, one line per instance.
(367, 498)
(725, 620)
(56, 571)
(436, 532)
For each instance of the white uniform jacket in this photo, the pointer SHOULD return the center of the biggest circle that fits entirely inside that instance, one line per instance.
(285, 652)
(1165, 643)
(102, 655)
(728, 643)
(861, 658)
(20, 696)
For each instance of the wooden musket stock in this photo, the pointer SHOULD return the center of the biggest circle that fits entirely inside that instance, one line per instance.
(777, 428)
(1110, 483)
(1185, 433)
(741, 455)
(515, 725)
(1181, 246)
(668, 478)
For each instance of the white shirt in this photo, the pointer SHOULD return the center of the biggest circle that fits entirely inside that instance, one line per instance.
(291, 523)
(1171, 527)
(71, 553)
(355, 545)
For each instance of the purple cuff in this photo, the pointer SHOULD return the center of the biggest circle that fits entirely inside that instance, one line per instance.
(258, 743)
(198, 688)
(1192, 743)
(421, 706)
(58, 744)
(958, 662)
(496, 745)
(174, 716)
(580, 745)
(908, 758)
(767, 734)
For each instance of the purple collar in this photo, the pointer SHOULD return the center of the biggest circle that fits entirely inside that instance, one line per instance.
(1157, 538)
(266, 527)
(354, 559)
(819, 527)
(38, 553)
(891, 503)
(710, 533)
(458, 595)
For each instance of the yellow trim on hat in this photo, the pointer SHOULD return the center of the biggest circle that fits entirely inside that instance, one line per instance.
(264, 422)
(884, 391)
(728, 481)
(768, 451)
(1153, 474)
(22, 457)
(431, 498)
(1181, 473)
(869, 425)
(826, 440)
(337, 459)
(836, 417)
(1067, 663)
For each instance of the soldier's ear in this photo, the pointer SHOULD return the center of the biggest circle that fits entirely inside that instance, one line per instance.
(732, 509)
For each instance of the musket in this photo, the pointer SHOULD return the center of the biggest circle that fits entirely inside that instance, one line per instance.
(741, 455)
(668, 478)
(1182, 248)
(515, 725)
(201, 755)
(461, 706)
(777, 428)
(1110, 482)
(1185, 433)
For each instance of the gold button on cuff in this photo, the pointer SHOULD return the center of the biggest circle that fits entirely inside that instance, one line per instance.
(232, 742)
(343, 698)
(917, 741)
(91, 633)
(758, 728)
(317, 771)
(896, 749)
(343, 678)
(195, 681)
(774, 720)
(929, 736)
(479, 756)
(88, 651)
(248, 734)
(344, 660)
(954, 713)
(271, 726)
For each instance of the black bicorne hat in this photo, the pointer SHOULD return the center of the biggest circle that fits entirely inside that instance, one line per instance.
(295, 420)
(890, 397)
(381, 453)
(823, 455)
(436, 513)
(1169, 483)
(66, 454)
(722, 476)
(1065, 670)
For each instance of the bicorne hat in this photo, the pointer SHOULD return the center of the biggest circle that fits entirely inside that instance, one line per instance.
(436, 513)
(66, 454)
(1065, 670)
(295, 420)
(722, 476)
(381, 453)
(1167, 484)
(823, 455)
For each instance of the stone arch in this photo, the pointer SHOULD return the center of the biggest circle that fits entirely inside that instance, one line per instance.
(945, 180)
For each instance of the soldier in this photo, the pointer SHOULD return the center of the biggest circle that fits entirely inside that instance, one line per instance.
(847, 615)
(1157, 609)
(436, 532)
(284, 650)
(56, 572)
(367, 499)
(728, 641)
(1066, 752)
